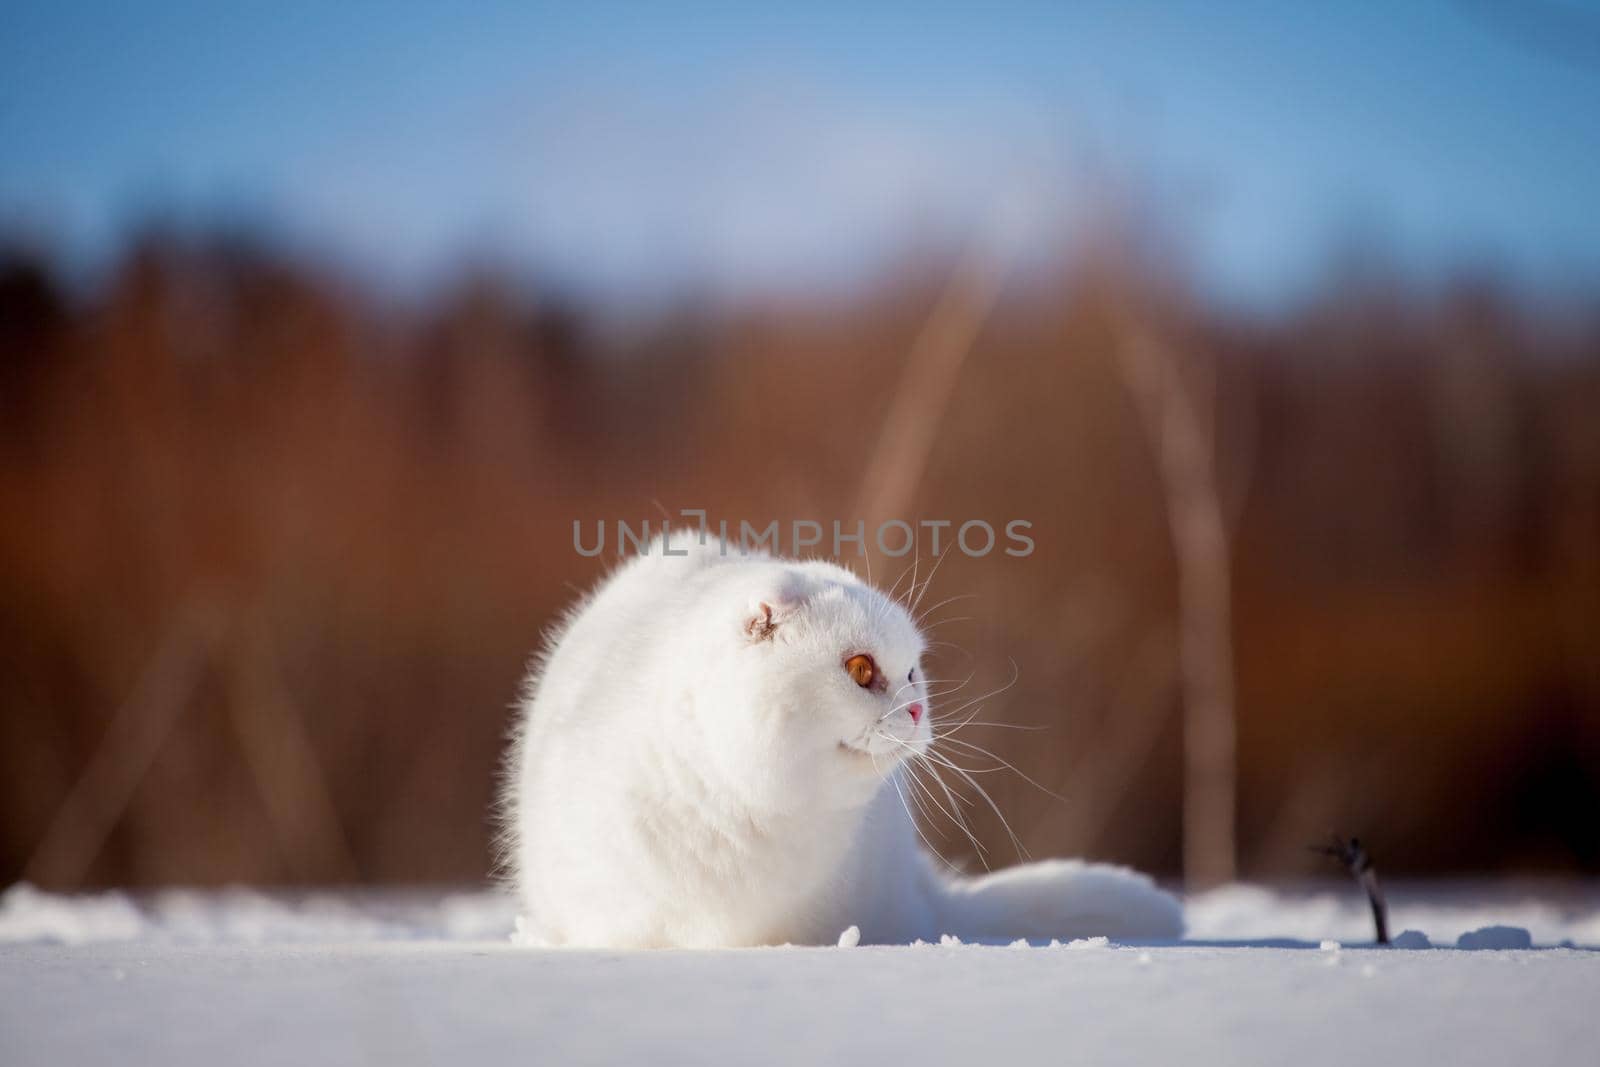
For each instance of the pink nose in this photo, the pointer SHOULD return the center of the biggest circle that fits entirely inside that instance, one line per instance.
(916, 712)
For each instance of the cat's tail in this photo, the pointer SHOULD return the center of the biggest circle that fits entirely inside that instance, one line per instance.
(1058, 899)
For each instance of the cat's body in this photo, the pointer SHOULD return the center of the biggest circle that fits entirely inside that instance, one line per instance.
(709, 755)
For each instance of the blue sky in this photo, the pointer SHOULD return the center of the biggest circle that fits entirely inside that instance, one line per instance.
(727, 146)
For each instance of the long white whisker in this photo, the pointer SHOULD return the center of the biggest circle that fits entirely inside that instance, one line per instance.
(973, 721)
(922, 809)
(916, 566)
(979, 750)
(947, 622)
(955, 810)
(1016, 842)
(1015, 674)
(937, 563)
(923, 837)
(931, 645)
(895, 587)
(942, 603)
(919, 789)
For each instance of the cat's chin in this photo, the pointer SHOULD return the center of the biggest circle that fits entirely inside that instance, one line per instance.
(865, 758)
(877, 760)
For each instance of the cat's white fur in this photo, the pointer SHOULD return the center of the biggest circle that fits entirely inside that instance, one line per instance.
(686, 772)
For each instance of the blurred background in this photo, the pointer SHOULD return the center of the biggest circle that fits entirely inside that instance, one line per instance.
(321, 325)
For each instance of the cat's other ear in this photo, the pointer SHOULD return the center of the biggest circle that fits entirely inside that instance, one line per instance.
(771, 610)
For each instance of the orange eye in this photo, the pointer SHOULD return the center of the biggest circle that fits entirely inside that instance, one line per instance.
(862, 669)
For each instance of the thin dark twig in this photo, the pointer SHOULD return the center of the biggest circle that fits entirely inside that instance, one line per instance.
(1354, 858)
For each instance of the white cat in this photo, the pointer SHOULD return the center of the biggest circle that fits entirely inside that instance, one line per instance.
(709, 753)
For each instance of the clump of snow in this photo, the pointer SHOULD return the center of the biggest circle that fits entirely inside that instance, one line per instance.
(522, 933)
(1088, 942)
(250, 917)
(851, 937)
(949, 939)
(477, 916)
(1330, 946)
(29, 915)
(1411, 939)
(246, 916)
(1020, 942)
(1495, 937)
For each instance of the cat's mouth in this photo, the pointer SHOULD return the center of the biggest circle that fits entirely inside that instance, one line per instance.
(886, 754)
(859, 751)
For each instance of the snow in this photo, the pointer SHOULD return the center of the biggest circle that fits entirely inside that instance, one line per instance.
(251, 917)
(1089, 942)
(850, 938)
(29, 915)
(244, 978)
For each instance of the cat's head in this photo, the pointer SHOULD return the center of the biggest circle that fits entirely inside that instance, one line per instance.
(819, 691)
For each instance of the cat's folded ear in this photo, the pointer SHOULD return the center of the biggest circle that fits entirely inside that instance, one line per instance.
(771, 609)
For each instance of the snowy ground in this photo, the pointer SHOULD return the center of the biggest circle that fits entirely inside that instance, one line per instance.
(239, 978)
